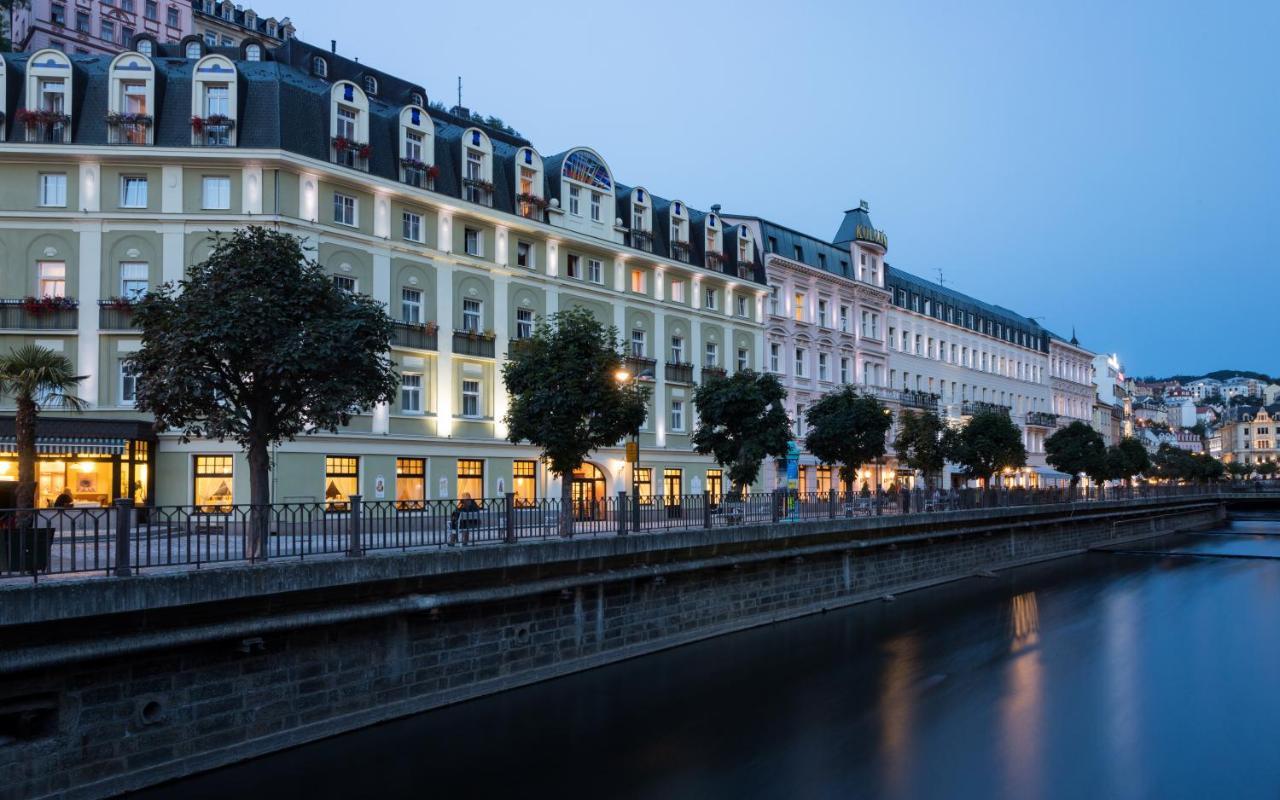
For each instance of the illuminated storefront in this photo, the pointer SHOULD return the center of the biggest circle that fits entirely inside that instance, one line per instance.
(93, 462)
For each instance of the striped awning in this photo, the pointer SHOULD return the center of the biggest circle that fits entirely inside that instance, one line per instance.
(68, 446)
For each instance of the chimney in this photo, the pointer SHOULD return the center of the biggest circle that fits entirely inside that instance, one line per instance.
(715, 209)
(333, 46)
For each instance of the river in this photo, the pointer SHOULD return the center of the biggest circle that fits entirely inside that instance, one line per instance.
(1152, 673)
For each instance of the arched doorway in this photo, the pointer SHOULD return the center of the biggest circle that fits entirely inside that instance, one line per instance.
(589, 492)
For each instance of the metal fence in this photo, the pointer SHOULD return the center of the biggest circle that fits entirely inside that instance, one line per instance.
(123, 539)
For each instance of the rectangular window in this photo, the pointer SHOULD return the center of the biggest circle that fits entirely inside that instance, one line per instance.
(595, 271)
(108, 30)
(573, 266)
(637, 281)
(411, 482)
(471, 315)
(595, 206)
(133, 192)
(844, 370)
(822, 313)
(524, 255)
(742, 306)
(677, 349)
(844, 319)
(411, 393)
(133, 279)
(346, 123)
(677, 416)
(824, 368)
(471, 478)
(744, 359)
(775, 358)
(524, 482)
(344, 209)
(644, 485)
(637, 343)
(711, 355)
(801, 356)
(677, 291)
(153, 10)
(799, 433)
(345, 282)
(217, 100)
(128, 383)
(171, 18)
(413, 145)
(216, 192)
(709, 299)
(82, 21)
(411, 306)
(341, 480)
(471, 241)
(411, 226)
(799, 306)
(51, 277)
(575, 201)
(53, 190)
(672, 485)
(212, 483)
(524, 323)
(471, 399)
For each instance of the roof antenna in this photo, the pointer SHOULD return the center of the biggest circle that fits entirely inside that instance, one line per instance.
(941, 282)
(459, 91)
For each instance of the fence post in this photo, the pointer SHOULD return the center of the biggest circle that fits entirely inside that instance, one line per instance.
(124, 525)
(831, 497)
(357, 520)
(511, 517)
(706, 508)
(775, 507)
(635, 510)
(622, 513)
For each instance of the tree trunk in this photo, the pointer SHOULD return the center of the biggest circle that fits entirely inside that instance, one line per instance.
(259, 500)
(24, 423)
(566, 504)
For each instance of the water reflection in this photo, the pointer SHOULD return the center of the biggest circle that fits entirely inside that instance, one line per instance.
(897, 701)
(1021, 706)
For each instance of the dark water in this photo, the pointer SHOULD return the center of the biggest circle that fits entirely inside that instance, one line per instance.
(1100, 676)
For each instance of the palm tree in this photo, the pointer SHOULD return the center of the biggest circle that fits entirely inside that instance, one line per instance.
(36, 377)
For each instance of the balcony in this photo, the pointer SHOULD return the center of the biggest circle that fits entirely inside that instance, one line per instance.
(473, 343)
(746, 270)
(927, 401)
(639, 366)
(212, 131)
(680, 251)
(530, 206)
(1042, 419)
(414, 335)
(710, 372)
(115, 314)
(45, 127)
(970, 407)
(418, 173)
(39, 314)
(678, 372)
(131, 129)
(713, 260)
(350, 153)
(478, 191)
(641, 240)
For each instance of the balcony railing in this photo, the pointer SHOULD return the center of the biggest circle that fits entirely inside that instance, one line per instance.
(212, 131)
(680, 251)
(641, 240)
(46, 314)
(709, 371)
(713, 260)
(46, 132)
(927, 401)
(471, 343)
(478, 191)
(641, 366)
(746, 270)
(970, 407)
(134, 129)
(415, 335)
(1042, 419)
(417, 173)
(115, 315)
(531, 206)
(350, 153)
(679, 372)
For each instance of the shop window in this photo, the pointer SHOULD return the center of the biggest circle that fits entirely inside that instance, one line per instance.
(644, 484)
(471, 478)
(411, 483)
(212, 487)
(341, 480)
(672, 485)
(524, 482)
(715, 485)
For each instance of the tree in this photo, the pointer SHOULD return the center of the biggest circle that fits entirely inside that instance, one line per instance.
(36, 378)
(1137, 461)
(1202, 430)
(1172, 463)
(988, 443)
(566, 397)
(742, 420)
(1267, 469)
(1239, 469)
(256, 344)
(921, 443)
(848, 429)
(1205, 468)
(1077, 449)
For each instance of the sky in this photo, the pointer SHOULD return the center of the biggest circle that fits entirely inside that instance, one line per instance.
(1112, 168)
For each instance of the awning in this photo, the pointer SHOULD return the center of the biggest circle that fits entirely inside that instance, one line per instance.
(1052, 474)
(69, 446)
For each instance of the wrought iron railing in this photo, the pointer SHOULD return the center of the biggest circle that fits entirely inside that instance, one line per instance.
(710, 371)
(114, 315)
(42, 315)
(641, 240)
(679, 372)
(469, 343)
(680, 251)
(970, 407)
(1042, 419)
(134, 133)
(415, 335)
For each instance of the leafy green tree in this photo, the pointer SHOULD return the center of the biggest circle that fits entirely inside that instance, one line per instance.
(1239, 469)
(1077, 449)
(35, 377)
(742, 420)
(921, 442)
(566, 397)
(1137, 461)
(1172, 463)
(256, 344)
(1201, 430)
(987, 444)
(1267, 469)
(848, 429)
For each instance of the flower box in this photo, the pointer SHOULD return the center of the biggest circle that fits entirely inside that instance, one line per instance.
(41, 117)
(141, 120)
(533, 200)
(343, 144)
(198, 124)
(48, 305)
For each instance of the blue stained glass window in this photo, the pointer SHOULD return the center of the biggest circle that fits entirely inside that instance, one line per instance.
(711, 221)
(585, 168)
(475, 138)
(416, 115)
(677, 209)
(528, 156)
(640, 195)
(348, 92)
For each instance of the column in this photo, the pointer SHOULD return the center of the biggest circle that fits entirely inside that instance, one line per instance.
(444, 360)
(250, 189)
(171, 190)
(502, 332)
(382, 293)
(88, 292)
(501, 251)
(660, 369)
(173, 245)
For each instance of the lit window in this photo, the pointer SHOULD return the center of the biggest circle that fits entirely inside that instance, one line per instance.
(52, 278)
(524, 482)
(412, 226)
(216, 192)
(53, 191)
(411, 482)
(213, 483)
(637, 281)
(471, 399)
(471, 478)
(133, 279)
(341, 480)
(411, 306)
(411, 393)
(133, 192)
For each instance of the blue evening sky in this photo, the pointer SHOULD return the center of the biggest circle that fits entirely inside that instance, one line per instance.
(1109, 166)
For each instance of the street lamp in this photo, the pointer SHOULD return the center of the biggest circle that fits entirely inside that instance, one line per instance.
(624, 377)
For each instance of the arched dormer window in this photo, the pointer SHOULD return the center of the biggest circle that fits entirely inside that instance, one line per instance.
(679, 231)
(214, 100)
(588, 182)
(477, 167)
(530, 199)
(132, 99)
(319, 67)
(641, 222)
(418, 99)
(417, 148)
(349, 126)
(370, 85)
(746, 250)
(253, 52)
(146, 46)
(4, 99)
(193, 50)
(713, 254)
(47, 116)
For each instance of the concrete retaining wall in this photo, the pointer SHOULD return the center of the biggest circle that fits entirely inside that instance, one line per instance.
(116, 684)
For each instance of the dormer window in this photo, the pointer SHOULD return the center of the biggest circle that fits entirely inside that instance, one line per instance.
(194, 50)
(49, 98)
(641, 221)
(714, 252)
(477, 174)
(370, 85)
(531, 203)
(271, 29)
(146, 47)
(253, 52)
(417, 148)
(585, 176)
(679, 232)
(319, 67)
(418, 99)
(349, 129)
(213, 103)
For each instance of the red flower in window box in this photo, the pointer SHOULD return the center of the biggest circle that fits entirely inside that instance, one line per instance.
(41, 117)
(47, 305)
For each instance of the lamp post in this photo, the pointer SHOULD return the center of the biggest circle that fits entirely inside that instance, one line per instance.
(624, 377)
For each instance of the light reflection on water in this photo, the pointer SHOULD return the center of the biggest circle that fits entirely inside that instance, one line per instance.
(1097, 676)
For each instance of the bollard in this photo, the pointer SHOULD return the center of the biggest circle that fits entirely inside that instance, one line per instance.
(622, 513)
(124, 525)
(706, 509)
(511, 517)
(356, 524)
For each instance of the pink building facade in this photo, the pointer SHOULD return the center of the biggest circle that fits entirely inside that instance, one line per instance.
(98, 26)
